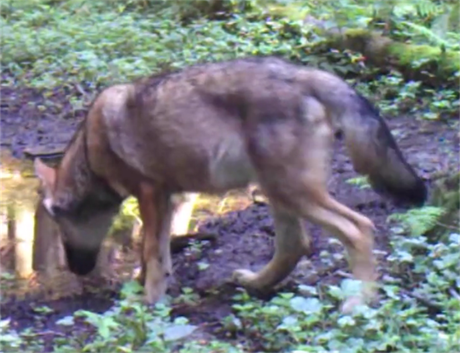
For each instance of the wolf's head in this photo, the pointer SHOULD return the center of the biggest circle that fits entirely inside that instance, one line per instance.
(83, 214)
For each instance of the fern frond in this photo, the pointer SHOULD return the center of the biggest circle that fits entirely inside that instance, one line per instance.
(428, 33)
(419, 220)
(427, 8)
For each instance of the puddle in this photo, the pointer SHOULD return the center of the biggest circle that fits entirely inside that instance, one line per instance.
(21, 254)
(31, 254)
(17, 208)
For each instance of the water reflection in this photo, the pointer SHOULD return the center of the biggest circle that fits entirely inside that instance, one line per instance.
(17, 208)
(31, 253)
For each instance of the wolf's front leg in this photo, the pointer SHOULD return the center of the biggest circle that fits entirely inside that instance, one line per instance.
(156, 212)
(291, 243)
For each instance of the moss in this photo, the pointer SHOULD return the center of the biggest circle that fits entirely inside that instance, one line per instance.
(376, 45)
(448, 61)
(381, 50)
(358, 33)
(294, 12)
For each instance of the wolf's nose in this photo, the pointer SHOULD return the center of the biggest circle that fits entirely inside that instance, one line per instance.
(80, 261)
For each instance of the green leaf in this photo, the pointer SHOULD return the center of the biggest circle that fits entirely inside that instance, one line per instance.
(346, 321)
(351, 287)
(306, 305)
(66, 321)
(177, 332)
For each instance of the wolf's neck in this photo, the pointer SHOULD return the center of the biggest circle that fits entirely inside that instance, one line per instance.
(77, 184)
(74, 179)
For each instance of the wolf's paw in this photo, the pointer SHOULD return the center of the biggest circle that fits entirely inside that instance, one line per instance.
(155, 293)
(307, 248)
(155, 282)
(245, 278)
(367, 297)
(350, 303)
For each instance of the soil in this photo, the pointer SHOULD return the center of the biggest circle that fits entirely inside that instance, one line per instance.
(245, 236)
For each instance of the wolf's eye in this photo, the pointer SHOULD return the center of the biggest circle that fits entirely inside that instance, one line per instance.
(57, 211)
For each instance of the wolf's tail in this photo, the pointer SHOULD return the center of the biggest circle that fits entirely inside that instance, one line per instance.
(373, 150)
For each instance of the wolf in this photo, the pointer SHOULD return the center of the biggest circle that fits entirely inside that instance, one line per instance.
(217, 126)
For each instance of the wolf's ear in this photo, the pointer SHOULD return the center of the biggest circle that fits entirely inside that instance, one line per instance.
(46, 174)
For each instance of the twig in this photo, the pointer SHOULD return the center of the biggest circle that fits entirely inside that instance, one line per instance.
(343, 274)
(423, 300)
(447, 226)
(81, 90)
(454, 293)
(50, 333)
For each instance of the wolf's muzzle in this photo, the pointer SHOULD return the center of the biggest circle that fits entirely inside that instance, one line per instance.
(80, 261)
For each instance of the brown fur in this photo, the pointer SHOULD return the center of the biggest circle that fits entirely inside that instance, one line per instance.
(214, 127)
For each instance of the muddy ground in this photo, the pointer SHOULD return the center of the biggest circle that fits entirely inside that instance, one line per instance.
(245, 236)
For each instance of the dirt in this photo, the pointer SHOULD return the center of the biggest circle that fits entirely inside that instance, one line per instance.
(245, 236)
(37, 119)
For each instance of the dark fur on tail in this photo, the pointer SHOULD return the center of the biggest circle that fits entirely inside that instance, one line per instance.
(374, 153)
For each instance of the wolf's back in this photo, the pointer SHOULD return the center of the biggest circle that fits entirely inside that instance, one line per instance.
(372, 147)
(368, 139)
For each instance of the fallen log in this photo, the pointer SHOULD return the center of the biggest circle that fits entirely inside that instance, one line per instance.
(433, 66)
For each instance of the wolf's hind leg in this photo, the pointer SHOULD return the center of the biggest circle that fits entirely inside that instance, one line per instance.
(294, 170)
(355, 231)
(304, 193)
(291, 243)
